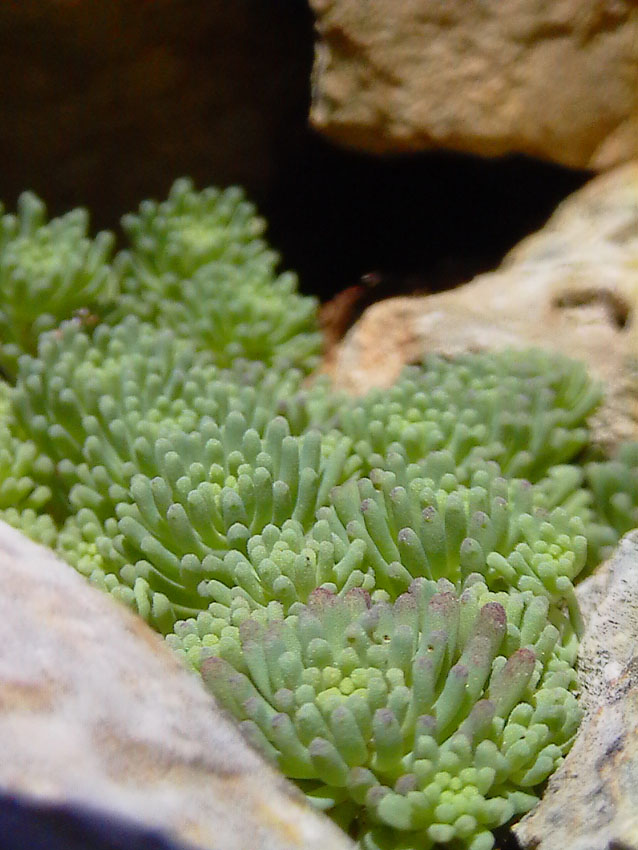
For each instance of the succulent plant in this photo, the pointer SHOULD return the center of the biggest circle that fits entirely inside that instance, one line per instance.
(614, 486)
(48, 270)
(380, 589)
(441, 528)
(202, 497)
(22, 469)
(191, 230)
(38, 526)
(23, 495)
(198, 265)
(221, 512)
(426, 721)
(96, 403)
(526, 410)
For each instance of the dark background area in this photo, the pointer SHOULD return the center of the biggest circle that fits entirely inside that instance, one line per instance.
(425, 222)
(30, 824)
(104, 105)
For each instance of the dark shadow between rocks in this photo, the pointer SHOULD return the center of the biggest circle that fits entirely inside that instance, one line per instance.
(105, 106)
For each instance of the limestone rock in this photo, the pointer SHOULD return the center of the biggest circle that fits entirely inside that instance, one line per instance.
(571, 287)
(96, 711)
(554, 80)
(592, 800)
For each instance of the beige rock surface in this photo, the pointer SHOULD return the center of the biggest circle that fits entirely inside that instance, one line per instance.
(571, 287)
(95, 709)
(592, 800)
(556, 80)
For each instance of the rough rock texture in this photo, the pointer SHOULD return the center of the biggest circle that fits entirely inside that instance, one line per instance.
(95, 710)
(556, 80)
(572, 287)
(104, 104)
(592, 800)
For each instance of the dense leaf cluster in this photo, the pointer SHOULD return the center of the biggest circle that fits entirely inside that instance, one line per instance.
(379, 589)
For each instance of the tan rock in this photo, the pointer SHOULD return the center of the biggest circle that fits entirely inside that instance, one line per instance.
(571, 287)
(96, 710)
(556, 80)
(592, 800)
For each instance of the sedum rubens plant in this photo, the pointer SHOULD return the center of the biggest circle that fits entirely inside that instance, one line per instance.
(526, 411)
(48, 271)
(205, 248)
(380, 590)
(614, 484)
(423, 721)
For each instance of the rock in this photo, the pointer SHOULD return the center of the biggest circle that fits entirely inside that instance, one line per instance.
(592, 801)
(554, 80)
(96, 711)
(571, 287)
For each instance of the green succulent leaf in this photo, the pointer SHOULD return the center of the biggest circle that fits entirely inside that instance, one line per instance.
(96, 403)
(417, 722)
(48, 271)
(526, 410)
(614, 485)
(198, 265)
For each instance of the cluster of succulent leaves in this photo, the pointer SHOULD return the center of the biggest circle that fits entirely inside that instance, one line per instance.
(380, 589)
(195, 264)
